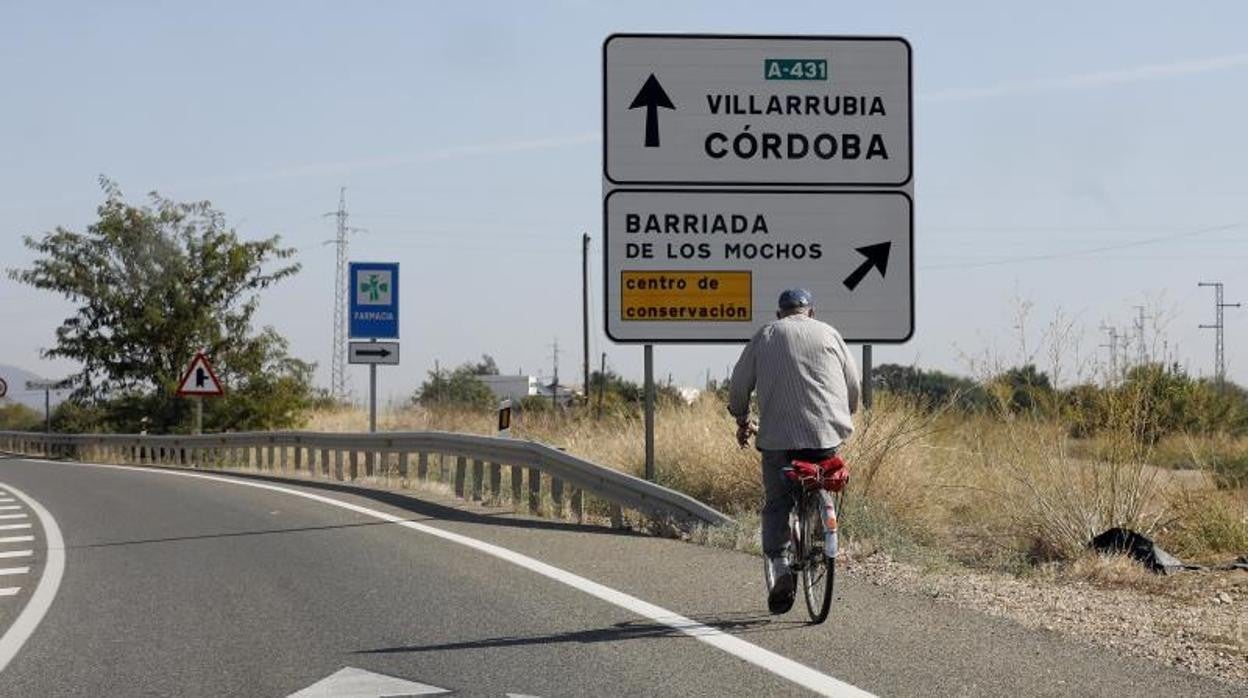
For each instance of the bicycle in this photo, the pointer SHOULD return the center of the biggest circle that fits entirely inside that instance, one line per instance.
(814, 528)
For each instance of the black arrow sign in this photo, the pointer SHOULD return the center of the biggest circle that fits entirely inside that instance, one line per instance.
(201, 377)
(877, 256)
(651, 96)
(383, 353)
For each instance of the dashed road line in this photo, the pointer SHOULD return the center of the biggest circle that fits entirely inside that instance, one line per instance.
(14, 570)
(41, 598)
(13, 516)
(14, 527)
(17, 539)
(10, 507)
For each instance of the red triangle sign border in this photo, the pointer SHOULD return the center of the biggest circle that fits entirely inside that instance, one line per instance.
(215, 391)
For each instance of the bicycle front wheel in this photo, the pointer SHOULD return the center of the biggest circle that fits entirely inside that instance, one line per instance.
(818, 570)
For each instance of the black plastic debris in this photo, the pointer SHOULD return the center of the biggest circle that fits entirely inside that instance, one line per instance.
(1141, 548)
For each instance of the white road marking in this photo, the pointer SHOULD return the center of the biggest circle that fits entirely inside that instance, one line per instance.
(12, 516)
(6, 500)
(13, 527)
(765, 659)
(16, 553)
(14, 570)
(16, 539)
(9, 591)
(357, 683)
(41, 600)
(10, 507)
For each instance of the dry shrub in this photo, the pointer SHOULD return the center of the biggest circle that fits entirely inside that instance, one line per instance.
(1207, 525)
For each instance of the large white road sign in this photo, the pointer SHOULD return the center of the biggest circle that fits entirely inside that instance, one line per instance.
(756, 110)
(709, 265)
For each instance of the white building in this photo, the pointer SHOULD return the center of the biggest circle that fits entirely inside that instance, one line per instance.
(514, 388)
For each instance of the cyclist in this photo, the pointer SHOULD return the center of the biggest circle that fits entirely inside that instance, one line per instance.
(808, 388)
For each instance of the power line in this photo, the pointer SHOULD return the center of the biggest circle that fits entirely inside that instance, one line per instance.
(1092, 250)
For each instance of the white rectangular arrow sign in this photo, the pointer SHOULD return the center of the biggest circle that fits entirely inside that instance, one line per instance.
(756, 110)
(709, 265)
(373, 353)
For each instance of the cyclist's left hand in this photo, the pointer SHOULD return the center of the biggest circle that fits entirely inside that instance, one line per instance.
(744, 432)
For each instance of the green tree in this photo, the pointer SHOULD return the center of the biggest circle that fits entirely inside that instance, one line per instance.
(153, 285)
(458, 388)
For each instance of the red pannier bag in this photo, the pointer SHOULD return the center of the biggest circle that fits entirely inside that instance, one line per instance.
(830, 473)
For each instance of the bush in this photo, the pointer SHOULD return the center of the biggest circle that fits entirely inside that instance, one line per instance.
(18, 417)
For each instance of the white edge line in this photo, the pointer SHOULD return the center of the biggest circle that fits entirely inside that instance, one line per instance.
(765, 659)
(49, 582)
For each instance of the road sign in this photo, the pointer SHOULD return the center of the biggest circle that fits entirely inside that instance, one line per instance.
(4, 388)
(373, 353)
(709, 265)
(374, 294)
(756, 110)
(48, 385)
(200, 380)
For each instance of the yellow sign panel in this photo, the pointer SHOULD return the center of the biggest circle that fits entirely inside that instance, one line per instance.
(688, 296)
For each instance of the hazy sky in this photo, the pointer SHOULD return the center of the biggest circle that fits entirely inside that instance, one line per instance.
(1087, 157)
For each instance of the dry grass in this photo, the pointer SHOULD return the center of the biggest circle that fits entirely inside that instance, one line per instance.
(981, 490)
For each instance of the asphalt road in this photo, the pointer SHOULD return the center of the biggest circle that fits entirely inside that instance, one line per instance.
(186, 586)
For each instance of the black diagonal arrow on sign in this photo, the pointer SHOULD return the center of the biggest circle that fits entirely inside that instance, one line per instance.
(651, 96)
(877, 256)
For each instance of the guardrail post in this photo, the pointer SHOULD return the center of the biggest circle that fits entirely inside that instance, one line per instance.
(337, 464)
(556, 495)
(578, 504)
(617, 516)
(461, 467)
(283, 449)
(535, 490)
(354, 465)
(443, 471)
(405, 463)
(422, 466)
(496, 481)
(517, 482)
(478, 480)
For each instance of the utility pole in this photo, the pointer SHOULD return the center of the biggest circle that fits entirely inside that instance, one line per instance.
(554, 386)
(1219, 347)
(1113, 351)
(585, 309)
(1142, 348)
(338, 360)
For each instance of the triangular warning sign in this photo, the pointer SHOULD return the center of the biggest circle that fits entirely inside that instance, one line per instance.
(200, 379)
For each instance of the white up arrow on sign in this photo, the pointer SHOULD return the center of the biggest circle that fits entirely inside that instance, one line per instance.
(350, 682)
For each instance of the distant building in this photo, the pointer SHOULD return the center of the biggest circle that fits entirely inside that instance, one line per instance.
(514, 388)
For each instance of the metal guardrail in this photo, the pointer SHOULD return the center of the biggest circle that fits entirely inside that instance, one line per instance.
(347, 457)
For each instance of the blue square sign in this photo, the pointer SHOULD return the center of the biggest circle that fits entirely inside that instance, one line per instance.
(374, 294)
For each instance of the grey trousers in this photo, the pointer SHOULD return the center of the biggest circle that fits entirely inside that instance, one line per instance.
(777, 503)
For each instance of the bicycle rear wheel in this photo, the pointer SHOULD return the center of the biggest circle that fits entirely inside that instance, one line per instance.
(818, 570)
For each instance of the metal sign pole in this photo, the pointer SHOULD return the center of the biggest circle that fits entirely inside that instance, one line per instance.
(372, 398)
(199, 415)
(649, 353)
(868, 396)
(47, 409)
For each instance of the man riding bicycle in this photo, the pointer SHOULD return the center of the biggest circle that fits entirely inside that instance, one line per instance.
(808, 388)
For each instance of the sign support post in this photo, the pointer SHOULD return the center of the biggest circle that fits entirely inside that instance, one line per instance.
(47, 409)
(372, 398)
(868, 395)
(649, 360)
(199, 416)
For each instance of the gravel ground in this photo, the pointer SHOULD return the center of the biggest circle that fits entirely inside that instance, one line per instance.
(1196, 621)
